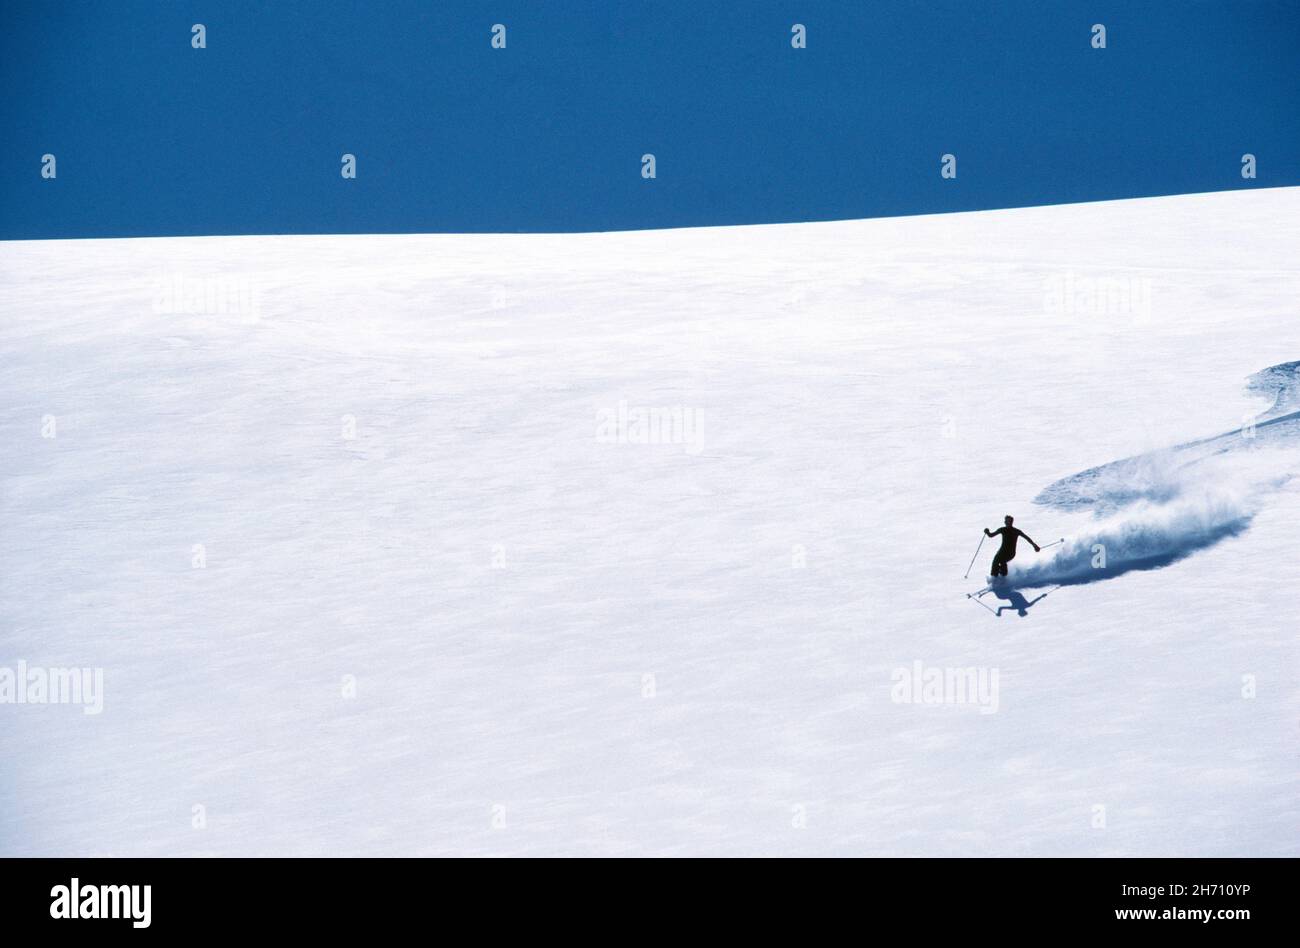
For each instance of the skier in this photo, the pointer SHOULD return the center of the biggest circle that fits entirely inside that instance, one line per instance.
(1007, 551)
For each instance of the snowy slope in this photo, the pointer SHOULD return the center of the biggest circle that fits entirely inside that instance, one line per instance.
(623, 539)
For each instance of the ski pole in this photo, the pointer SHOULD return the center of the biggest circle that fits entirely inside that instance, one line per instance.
(972, 559)
(1053, 543)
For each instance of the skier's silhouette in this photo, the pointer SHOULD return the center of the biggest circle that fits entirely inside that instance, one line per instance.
(1007, 551)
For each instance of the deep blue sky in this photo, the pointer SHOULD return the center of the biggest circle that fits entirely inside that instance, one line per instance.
(153, 137)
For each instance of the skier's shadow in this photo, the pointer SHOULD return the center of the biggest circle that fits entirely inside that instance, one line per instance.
(1015, 601)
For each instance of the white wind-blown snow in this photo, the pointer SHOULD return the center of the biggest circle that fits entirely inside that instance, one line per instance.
(622, 537)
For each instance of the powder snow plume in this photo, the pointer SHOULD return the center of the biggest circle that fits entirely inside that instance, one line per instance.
(1155, 509)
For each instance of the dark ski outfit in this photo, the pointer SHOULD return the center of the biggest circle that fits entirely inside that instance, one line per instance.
(1007, 551)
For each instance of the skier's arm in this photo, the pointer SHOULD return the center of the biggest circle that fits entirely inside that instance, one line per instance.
(1037, 548)
(992, 533)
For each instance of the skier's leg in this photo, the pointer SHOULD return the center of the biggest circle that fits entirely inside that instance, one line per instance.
(1005, 557)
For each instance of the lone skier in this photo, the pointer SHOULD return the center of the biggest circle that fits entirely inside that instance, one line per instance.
(1007, 551)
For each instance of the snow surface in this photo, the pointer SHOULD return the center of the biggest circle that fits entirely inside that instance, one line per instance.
(566, 641)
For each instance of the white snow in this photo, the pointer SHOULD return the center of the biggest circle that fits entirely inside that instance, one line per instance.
(566, 641)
